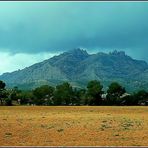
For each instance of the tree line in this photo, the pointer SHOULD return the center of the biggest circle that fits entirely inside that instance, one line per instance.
(65, 94)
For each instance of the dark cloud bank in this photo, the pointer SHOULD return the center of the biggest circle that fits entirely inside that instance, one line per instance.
(32, 27)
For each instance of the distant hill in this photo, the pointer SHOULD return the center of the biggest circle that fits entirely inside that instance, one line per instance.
(78, 67)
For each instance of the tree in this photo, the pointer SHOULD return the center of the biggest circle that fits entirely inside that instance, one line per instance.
(2, 84)
(8, 101)
(26, 97)
(94, 91)
(141, 95)
(84, 98)
(114, 92)
(63, 94)
(79, 97)
(3, 93)
(75, 100)
(128, 100)
(43, 95)
(14, 94)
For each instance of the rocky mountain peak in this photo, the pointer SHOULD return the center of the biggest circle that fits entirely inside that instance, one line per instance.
(119, 53)
(78, 67)
(78, 51)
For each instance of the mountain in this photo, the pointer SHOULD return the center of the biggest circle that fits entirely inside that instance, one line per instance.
(78, 67)
(68, 61)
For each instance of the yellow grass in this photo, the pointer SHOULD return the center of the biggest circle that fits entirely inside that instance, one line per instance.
(73, 126)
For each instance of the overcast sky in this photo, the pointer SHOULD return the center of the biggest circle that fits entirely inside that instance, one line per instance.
(33, 31)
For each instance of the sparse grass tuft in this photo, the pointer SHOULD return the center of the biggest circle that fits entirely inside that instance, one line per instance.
(8, 134)
(60, 130)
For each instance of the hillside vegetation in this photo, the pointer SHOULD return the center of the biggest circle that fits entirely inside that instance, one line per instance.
(78, 67)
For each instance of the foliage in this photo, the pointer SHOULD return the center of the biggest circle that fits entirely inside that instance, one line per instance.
(2, 84)
(65, 94)
(43, 94)
(114, 92)
(94, 90)
(3, 93)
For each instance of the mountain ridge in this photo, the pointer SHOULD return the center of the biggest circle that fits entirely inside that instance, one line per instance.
(78, 67)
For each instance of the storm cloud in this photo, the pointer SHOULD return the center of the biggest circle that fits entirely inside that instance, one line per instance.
(35, 27)
(45, 26)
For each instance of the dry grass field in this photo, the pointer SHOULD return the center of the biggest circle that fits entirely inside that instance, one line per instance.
(73, 126)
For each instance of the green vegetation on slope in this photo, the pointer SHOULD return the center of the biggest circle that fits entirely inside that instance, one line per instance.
(78, 67)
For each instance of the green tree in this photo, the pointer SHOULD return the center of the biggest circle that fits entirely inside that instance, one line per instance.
(75, 100)
(2, 84)
(3, 92)
(114, 92)
(79, 97)
(84, 98)
(26, 97)
(63, 94)
(139, 96)
(94, 91)
(14, 94)
(8, 101)
(43, 95)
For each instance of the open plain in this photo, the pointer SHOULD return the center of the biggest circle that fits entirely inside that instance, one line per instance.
(73, 126)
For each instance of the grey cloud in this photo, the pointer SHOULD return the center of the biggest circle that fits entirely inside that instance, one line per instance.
(55, 26)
